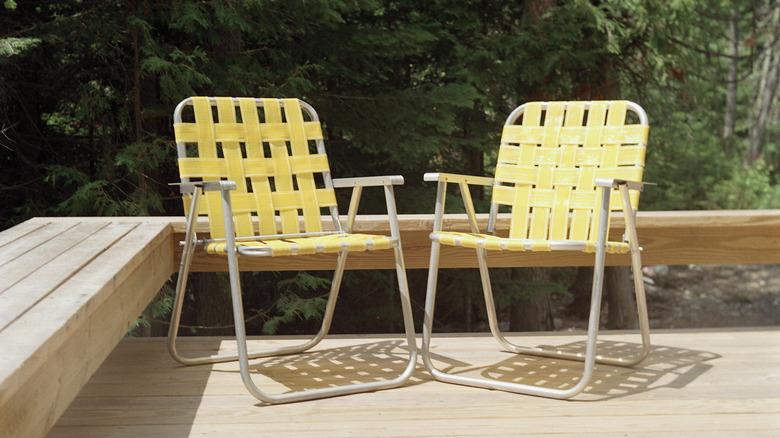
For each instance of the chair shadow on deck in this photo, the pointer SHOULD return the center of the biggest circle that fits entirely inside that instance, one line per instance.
(325, 366)
(664, 367)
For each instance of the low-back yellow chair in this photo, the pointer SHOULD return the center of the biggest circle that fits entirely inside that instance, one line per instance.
(558, 165)
(258, 169)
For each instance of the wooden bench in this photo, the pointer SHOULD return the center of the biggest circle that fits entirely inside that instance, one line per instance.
(71, 287)
(69, 290)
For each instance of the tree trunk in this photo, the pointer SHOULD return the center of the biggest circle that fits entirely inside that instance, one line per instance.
(621, 303)
(580, 291)
(731, 84)
(538, 7)
(618, 292)
(211, 305)
(467, 311)
(534, 313)
(766, 92)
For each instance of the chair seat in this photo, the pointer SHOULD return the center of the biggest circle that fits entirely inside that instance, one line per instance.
(490, 242)
(331, 243)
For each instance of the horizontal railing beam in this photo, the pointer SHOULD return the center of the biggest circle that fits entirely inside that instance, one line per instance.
(668, 237)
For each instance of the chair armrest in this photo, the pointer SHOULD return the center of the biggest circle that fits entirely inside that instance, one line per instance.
(358, 183)
(209, 186)
(368, 181)
(456, 178)
(615, 183)
(463, 181)
(628, 212)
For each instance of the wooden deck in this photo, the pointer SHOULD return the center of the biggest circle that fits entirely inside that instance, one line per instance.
(70, 288)
(707, 383)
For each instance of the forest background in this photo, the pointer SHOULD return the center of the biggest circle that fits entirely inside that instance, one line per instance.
(87, 89)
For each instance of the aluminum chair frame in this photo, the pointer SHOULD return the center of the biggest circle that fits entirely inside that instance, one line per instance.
(590, 357)
(198, 188)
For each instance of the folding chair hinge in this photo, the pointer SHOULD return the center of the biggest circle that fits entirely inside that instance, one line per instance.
(616, 182)
(186, 188)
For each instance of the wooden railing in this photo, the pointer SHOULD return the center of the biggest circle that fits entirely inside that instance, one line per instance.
(669, 238)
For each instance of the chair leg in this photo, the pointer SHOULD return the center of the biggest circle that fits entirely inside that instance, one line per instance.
(216, 358)
(489, 383)
(430, 304)
(331, 391)
(181, 286)
(556, 353)
(589, 358)
(244, 355)
(636, 266)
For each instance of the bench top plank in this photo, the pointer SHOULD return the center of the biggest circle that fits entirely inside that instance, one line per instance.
(17, 232)
(33, 259)
(69, 303)
(24, 243)
(46, 267)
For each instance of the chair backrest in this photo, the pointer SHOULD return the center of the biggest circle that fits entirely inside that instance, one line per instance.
(272, 148)
(550, 155)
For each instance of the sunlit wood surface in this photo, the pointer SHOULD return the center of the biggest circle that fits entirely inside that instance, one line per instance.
(667, 237)
(69, 290)
(71, 287)
(694, 383)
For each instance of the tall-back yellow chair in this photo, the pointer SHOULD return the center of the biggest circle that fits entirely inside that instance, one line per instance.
(258, 169)
(558, 165)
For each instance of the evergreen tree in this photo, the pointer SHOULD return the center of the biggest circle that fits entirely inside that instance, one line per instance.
(87, 89)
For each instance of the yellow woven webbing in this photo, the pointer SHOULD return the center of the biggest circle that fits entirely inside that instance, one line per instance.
(490, 242)
(547, 166)
(313, 245)
(263, 147)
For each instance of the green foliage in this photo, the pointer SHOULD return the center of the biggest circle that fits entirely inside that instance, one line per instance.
(175, 70)
(749, 186)
(517, 284)
(294, 307)
(13, 46)
(159, 308)
(403, 87)
(685, 162)
(684, 93)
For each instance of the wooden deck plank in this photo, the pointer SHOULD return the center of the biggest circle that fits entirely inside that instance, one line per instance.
(29, 262)
(715, 383)
(22, 245)
(19, 231)
(81, 245)
(76, 327)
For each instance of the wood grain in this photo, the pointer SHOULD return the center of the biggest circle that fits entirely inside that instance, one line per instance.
(670, 238)
(707, 383)
(70, 287)
(53, 347)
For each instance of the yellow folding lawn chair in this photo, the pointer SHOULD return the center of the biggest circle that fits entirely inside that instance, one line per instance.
(557, 167)
(261, 166)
